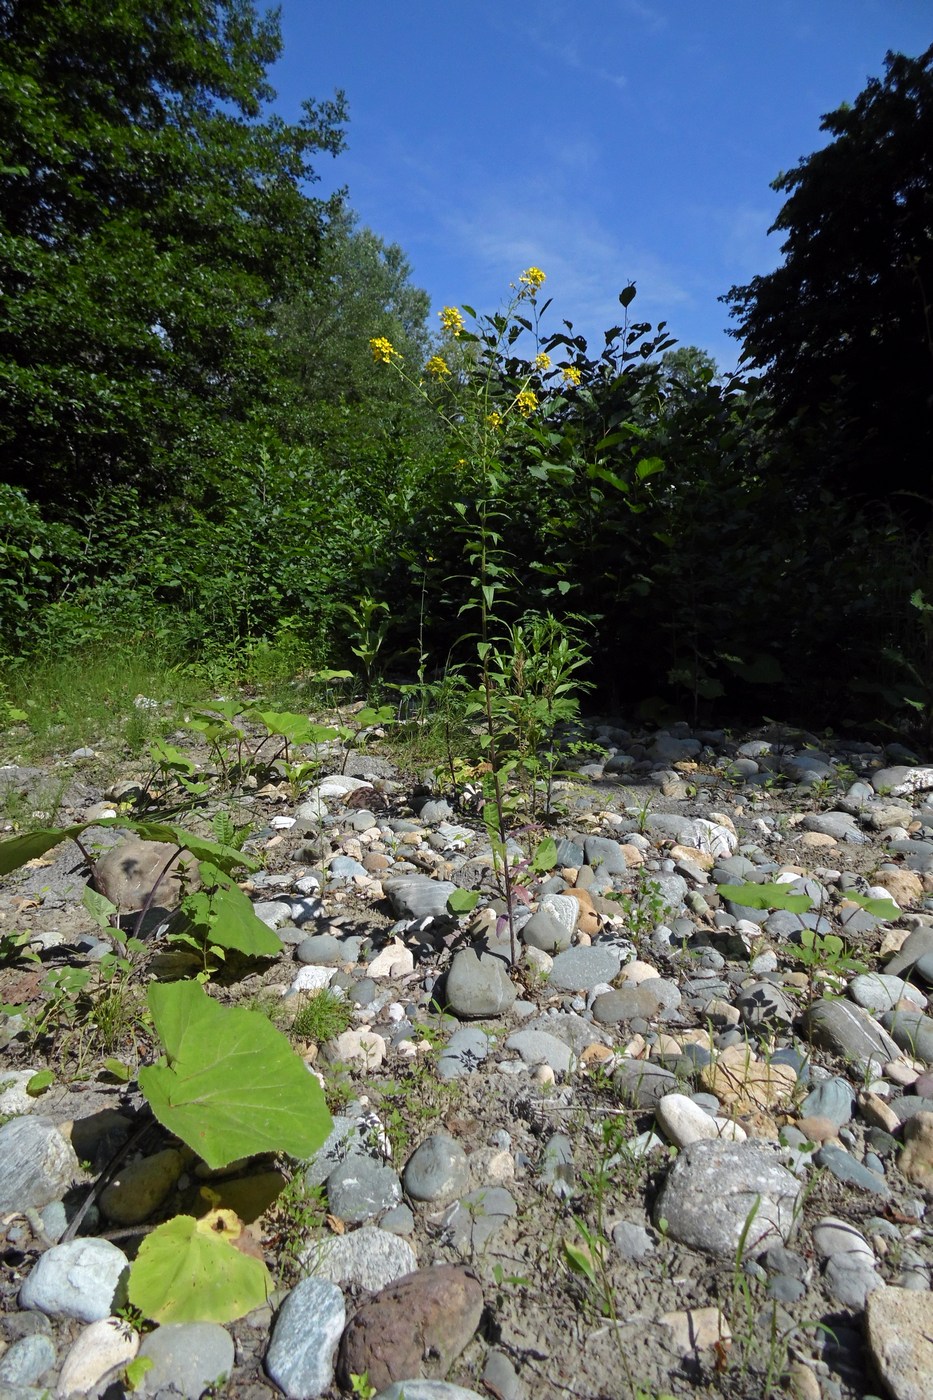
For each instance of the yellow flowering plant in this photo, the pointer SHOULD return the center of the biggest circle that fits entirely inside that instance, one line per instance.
(528, 435)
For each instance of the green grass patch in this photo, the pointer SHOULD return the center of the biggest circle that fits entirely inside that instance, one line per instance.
(87, 699)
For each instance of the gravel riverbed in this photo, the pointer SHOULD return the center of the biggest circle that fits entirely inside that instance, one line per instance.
(682, 1147)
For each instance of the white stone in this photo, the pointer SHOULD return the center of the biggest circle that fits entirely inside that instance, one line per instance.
(394, 960)
(360, 1046)
(684, 1121)
(834, 1236)
(312, 978)
(14, 1100)
(98, 1349)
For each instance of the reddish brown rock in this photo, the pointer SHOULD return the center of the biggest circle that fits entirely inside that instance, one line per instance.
(416, 1327)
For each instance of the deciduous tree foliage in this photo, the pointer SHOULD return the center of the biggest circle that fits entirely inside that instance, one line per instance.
(150, 216)
(843, 328)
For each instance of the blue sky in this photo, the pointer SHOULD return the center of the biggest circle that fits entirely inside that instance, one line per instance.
(604, 141)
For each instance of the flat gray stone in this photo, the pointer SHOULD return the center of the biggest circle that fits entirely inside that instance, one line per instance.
(464, 1052)
(847, 1168)
(39, 1164)
(545, 930)
(840, 825)
(303, 1345)
(603, 853)
(540, 1048)
(850, 1281)
(642, 1083)
(913, 1031)
(579, 969)
(632, 1241)
(437, 1170)
(479, 1216)
(763, 1004)
(352, 1136)
(360, 1188)
(80, 1278)
(714, 1189)
(478, 985)
(191, 1356)
(831, 1098)
(848, 1031)
(26, 1361)
(916, 948)
(642, 1001)
(418, 896)
(879, 992)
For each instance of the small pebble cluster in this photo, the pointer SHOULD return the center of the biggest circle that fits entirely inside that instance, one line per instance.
(668, 1151)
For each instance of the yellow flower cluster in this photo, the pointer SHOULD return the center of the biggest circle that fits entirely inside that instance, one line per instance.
(526, 402)
(451, 320)
(382, 349)
(438, 367)
(533, 277)
(542, 361)
(494, 420)
(571, 374)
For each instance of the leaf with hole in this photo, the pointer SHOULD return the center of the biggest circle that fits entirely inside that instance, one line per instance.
(190, 1270)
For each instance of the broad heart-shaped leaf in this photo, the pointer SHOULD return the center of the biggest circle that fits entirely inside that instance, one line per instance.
(201, 847)
(190, 1270)
(233, 1086)
(32, 844)
(881, 908)
(221, 913)
(765, 897)
(296, 729)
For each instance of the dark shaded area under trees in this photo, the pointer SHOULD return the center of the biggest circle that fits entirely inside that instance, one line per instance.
(199, 450)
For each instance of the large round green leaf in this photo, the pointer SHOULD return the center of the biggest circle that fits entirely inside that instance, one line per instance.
(231, 1086)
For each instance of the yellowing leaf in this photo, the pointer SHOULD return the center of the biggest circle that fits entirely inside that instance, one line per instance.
(188, 1270)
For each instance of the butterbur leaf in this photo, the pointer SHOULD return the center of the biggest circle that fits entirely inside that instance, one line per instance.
(881, 908)
(221, 913)
(190, 1270)
(135, 1371)
(462, 901)
(32, 844)
(231, 1085)
(580, 1260)
(772, 896)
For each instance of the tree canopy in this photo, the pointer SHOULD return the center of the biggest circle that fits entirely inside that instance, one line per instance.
(150, 219)
(843, 328)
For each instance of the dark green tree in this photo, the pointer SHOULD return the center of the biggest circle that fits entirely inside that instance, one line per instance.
(151, 218)
(360, 288)
(843, 328)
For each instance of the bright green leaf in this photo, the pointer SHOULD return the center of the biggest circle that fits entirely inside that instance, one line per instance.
(462, 901)
(40, 1082)
(190, 1270)
(232, 1086)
